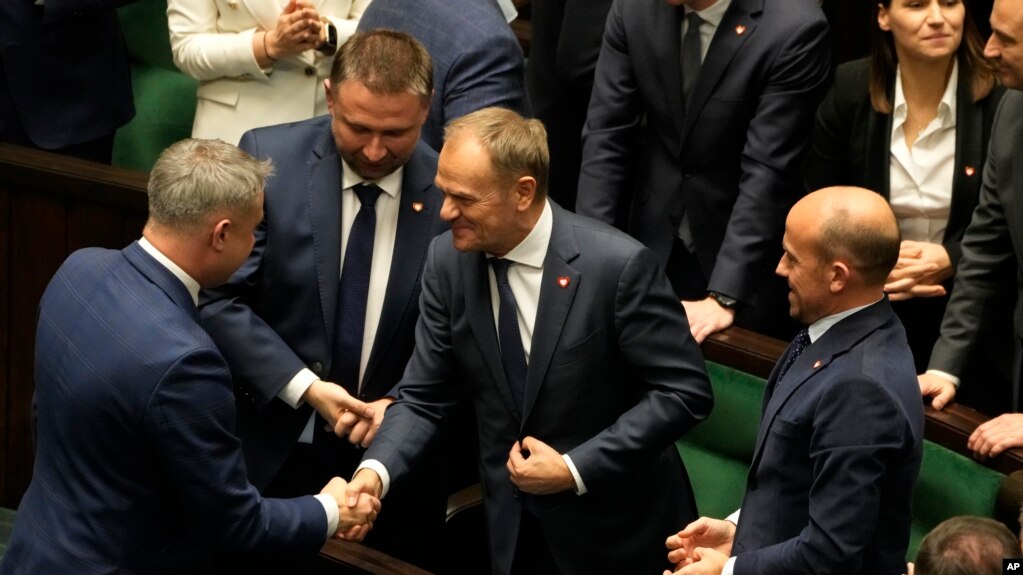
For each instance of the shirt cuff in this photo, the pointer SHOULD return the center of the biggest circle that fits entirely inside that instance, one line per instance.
(729, 567)
(734, 517)
(580, 487)
(945, 375)
(293, 391)
(333, 513)
(385, 477)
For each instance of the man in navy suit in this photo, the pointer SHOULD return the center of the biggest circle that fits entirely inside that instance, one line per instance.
(564, 336)
(65, 81)
(700, 113)
(137, 466)
(831, 482)
(477, 61)
(295, 338)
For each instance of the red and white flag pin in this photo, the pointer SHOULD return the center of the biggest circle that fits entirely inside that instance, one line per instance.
(563, 281)
(816, 364)
(969, 171)
(740, 29)
(417, 207)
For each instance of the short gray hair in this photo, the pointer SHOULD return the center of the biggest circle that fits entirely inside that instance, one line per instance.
(193, 178)
(386, 61)
(517, 145)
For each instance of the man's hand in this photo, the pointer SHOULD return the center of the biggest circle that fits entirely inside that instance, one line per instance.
(357, 519)
(331, 401)
(361, 430)
(704, 532)
(941, 389)
(536, 468)
(706, 561)
(921, 268)
(364, 489)
(706, 316)
(997, 435)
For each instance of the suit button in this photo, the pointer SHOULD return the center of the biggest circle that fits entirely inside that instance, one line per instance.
(310, 71)
(316, 367)
(515, 492)
(687, 176)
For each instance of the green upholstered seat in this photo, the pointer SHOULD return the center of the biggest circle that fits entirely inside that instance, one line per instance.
(164, 97)
(6, 524)
(717, 454)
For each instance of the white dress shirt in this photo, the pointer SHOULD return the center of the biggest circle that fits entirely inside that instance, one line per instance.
(920, 177)
(330, 506)
(816, 330)
(383, 250)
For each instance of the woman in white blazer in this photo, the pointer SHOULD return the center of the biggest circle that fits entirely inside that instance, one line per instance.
(258, 62)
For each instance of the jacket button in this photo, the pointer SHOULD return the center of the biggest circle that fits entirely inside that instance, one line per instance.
(310, 71)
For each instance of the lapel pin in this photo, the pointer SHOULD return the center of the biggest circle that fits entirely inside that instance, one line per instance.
(563, 281)
(816, 364)
(969, 171)
(417, 207)
(740, 29)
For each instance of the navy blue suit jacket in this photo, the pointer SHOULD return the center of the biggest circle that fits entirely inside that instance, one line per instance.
(614, 378)
(477, 61)
(831, 482)
(731, 159)
(277, 314)
(64, 69)
(137, 466)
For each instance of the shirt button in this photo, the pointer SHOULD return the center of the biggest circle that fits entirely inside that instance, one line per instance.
(310, 71)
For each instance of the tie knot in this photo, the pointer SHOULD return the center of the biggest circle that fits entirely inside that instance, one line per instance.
(500, 268)
(694, 20)
(802, 339)
(367, 193)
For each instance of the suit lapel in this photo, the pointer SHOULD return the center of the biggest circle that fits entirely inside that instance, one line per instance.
(969, 160)
(481, 320)
(669, 51)
(323, 189)
(413, 238)
(555, 302)
(741, 15)
(878, 158)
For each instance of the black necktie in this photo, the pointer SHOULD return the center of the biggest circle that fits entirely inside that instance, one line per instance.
(801, 342)
(690, 56)
(512, 355)
(353, 289)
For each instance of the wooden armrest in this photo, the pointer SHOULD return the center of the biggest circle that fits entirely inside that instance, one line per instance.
(357, 558)
(467, 498)
(952, 426)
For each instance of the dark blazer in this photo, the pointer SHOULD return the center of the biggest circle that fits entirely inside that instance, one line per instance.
(614, 378)
(276, 315)
(137, 466)
(992, 248)
(831, 482)
(851, 145)
(477, 61)
(732, 159)
(64, 70)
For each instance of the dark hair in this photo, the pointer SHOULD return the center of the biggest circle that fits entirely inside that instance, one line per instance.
(873, 250)
(386, 61)
(966, 546)
(883, 60)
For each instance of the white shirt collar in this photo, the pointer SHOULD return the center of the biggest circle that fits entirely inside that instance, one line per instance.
(819, 327)
(714, 13)
(946, 108)
(190, 284)
(532, 250)
(390, 184)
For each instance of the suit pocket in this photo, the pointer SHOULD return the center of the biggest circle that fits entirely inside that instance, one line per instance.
(786, 428)
(224, 91)
(581, 349)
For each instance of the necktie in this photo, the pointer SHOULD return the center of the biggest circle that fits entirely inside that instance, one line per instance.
(690, 56)
(801, 342)
(353, 289)
(512, 355)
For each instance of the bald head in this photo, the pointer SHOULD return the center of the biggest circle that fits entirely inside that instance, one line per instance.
(854, 225)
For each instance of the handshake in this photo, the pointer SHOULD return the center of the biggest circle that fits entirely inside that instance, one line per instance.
(357, 507)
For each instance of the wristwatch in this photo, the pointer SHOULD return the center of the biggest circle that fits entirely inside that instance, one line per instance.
(329, 46)
(724, 301)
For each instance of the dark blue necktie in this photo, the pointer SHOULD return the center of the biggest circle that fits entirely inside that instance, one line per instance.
(801, 342)
(353, 289)
(512, 355)
(691, 60)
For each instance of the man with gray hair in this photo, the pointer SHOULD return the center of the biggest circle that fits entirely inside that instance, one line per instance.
(566, 339)
(138, 469)
(966, 545)
(323, 311)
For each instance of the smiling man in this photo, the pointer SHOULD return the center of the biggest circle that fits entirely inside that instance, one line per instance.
(325, 306)
(565, 337)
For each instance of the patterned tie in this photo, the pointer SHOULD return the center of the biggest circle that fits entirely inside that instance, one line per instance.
(512, 355)
(353, 289)
(690, 56)
(801, 342)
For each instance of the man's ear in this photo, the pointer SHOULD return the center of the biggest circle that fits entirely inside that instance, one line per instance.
(525, 188)
(839, 277)
(218, 239)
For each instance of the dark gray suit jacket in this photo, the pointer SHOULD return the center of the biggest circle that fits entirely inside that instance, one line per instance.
(732, 159)
(614, 379)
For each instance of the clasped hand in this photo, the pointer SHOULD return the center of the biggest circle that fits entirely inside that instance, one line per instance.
(298, 28)
(356, 513)
(347, 416)
(702, 547)
(919, 271)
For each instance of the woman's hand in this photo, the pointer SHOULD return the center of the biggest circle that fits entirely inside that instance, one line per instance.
(298, 29)
(921, 268)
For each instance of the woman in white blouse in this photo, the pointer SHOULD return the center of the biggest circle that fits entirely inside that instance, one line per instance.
(911, 122)
(258, 62)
